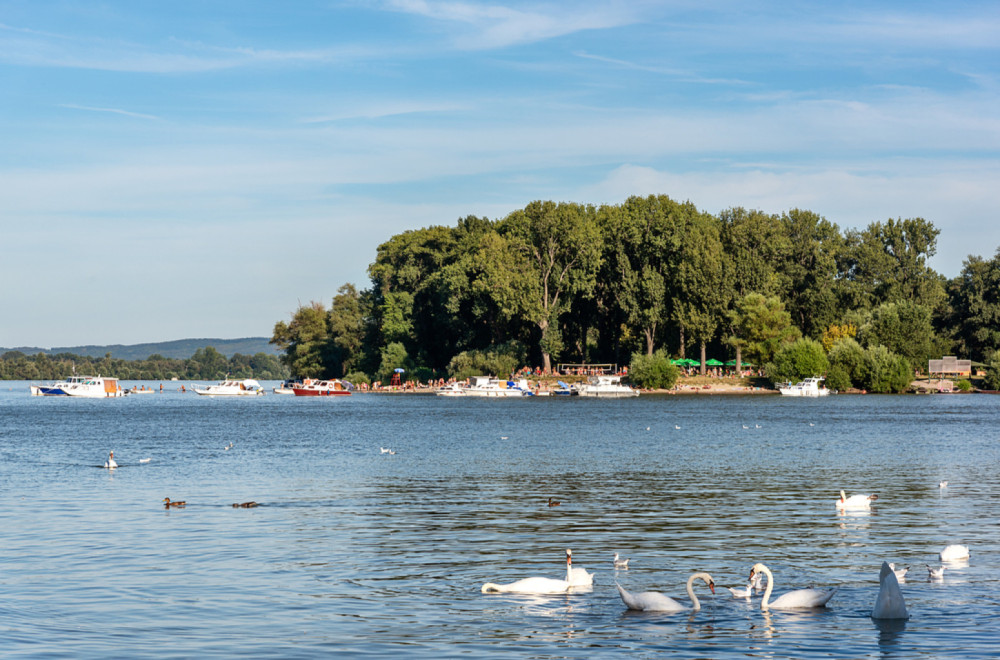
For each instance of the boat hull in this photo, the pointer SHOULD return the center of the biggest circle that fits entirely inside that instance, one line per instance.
(315, 392)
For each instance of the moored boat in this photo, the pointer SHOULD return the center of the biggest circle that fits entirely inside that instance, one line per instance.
(286, 387)
(90, 387)
(314, 387)
(487, 387)
(807, 387)
(606, 387)
(232, 387)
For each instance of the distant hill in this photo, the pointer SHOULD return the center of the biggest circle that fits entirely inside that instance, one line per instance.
(180, 349)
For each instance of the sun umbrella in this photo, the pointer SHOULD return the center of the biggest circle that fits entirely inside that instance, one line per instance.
(713, 363)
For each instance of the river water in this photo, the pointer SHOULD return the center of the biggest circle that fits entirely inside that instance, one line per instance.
(355, 552)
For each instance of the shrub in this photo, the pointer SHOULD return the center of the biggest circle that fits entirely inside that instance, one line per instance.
(992, 379)
(850, 357)
(884, 371)
(838, 379)
(358, 378)
(963, 385)
(500, 360)
(652, 371)
(803, 358)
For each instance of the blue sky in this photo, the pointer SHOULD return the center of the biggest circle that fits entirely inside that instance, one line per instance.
(199, 169)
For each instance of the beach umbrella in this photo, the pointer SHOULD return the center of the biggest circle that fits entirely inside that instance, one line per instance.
(713, 363)
(399, 370)
(688, 362)
(743, 363)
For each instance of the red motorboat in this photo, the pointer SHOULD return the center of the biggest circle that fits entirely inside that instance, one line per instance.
(313, 387)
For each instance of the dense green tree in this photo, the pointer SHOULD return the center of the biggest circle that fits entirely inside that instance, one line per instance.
(847, 357)
(762, 326)
(885, 372)
(206, 363)
(992, 379)
(975, 303)
(346, 323)
(802, 358)
(887, 262)
(555, 249)
(500, 360)
(699, 282)
(755, 244)
(903, 327)
(810, 269)
(305, 341)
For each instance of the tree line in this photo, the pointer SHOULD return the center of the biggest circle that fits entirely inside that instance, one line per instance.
(206, 364)
(567, 282)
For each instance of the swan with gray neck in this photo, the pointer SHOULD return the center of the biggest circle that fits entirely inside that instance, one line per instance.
(654, 601)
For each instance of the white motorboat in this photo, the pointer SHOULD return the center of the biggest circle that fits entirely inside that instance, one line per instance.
(286, 387)
(91, 387)
(487, 386)
(807, 387)
(232, 387)
(606, 387)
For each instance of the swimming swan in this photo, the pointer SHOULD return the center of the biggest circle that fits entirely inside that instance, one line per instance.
(110, 463)
(792, 599)
(855, 501)
(955, 552)
(889, 603)
(575, 577)
(654, 601)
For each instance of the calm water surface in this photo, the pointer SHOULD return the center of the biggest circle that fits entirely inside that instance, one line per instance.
(358, 553)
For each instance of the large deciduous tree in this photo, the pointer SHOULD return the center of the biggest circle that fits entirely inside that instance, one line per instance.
(975, 303)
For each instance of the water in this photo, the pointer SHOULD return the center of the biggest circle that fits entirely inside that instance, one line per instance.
(358, 553)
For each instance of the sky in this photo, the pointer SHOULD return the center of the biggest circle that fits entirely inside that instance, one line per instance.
(188, 169)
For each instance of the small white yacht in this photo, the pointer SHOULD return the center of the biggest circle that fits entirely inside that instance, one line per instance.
(606, 387)
(232, 387)
(91, 387)
(487, 386)
(807, 387)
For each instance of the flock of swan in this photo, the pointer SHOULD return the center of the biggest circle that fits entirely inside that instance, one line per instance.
(889, 602)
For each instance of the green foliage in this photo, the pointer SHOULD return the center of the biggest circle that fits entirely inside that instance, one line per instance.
(848, 358)
(358, 378)
(975, 302)
(306, 342)
(903, 327)
(652, 372)
(394, 357)
(963, 385)
(837, 378)
(207, 363)
(885, 372)
(803, 358)
(499, 360)
(763, 326)
(992, 379)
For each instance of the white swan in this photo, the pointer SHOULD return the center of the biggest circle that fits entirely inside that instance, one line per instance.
(621, 563)
(900, 573)
(386, 450)
(575, 577)
(654, 601)
(955, 552)
(935, 573)
(943, 484)
(110, 463)
(792, 599)
(855, 501)
(742, 593)
(889, 603)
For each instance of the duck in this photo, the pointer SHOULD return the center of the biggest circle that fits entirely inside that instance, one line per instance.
(620, 563)
(544, 585)
(954, 552)
(553, 502)
(889, 604)
(167, 503)
(110, 463)
(799, 598)
(900, 573)
(935, 573)
(654, 601)
(855, 501)
(244, 505)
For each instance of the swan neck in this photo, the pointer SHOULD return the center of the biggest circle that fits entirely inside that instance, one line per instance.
(770, 585)
(695, 603)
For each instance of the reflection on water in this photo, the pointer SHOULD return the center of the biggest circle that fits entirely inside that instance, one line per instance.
(356, 552)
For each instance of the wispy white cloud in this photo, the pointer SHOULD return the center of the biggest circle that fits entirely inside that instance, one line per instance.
(487, 26)
(115, 111)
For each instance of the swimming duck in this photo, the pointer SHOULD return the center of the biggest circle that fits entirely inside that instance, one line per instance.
(553, 502)
(244, 505)
(167, 503)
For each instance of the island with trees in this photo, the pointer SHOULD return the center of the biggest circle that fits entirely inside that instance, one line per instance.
(637, 282)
